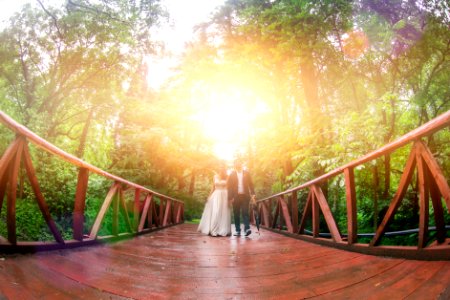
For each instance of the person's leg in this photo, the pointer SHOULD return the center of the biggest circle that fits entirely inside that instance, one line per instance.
(237, 213)
(244, 206)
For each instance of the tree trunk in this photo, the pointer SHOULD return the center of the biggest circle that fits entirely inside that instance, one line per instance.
(83, 137)
(387, 175)
(287, 169)
(375, 185)
(311, 89)
(181, 183)
(192, 183)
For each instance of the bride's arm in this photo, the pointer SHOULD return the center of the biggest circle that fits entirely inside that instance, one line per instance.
(213, 187)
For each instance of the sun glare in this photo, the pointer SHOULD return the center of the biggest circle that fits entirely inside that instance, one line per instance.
(228, 121)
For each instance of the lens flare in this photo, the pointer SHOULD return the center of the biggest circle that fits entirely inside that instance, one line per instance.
(355, 43)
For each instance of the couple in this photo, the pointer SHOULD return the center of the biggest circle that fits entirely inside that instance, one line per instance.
(236, 190)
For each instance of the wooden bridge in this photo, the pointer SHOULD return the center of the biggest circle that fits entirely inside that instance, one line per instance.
(176, 262)
(179, 263)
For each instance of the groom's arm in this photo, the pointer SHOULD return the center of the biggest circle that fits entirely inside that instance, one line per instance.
(250, 185)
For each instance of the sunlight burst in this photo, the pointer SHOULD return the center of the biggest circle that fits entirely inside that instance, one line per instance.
(228, 121)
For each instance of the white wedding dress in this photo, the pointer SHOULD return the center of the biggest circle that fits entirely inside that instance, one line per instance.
(216, 218)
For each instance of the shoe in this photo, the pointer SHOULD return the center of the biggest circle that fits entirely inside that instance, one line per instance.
(237, 233)
(248, 232)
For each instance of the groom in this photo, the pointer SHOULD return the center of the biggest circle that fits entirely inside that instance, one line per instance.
(240, 190)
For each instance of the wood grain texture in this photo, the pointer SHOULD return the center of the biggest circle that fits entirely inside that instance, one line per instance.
(101, 214)
(326, 211)
(12, 193)
(179, 263)
(80, 203)
(350, 194)
(284, 210)
(147, 202)
(398, 197)
(40, 197)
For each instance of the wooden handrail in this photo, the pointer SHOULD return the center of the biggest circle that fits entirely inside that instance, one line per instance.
(43, 144)
(432, 126)
(432, 187)
(146, 216)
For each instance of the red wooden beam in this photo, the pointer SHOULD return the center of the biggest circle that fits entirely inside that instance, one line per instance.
(315, 213)
(437, 208)
(136, 208)
(277, 213)
(402, 187)
(436, 171)
(43, 144)
(147, 202)
(294, 211)
(8, 155)
(115, 213)
(155, 215)
(40, 197)
(306, 213)
(266, 217)
(332, 226)
(260, 212)
(3, 185)
(5, 167)
(350, 193)
(423, 202)
(80, 204)
(161, 211)
(285, 212)
(167, 213)
(178, 213)
(11, 199)
(150, 216)
(426, 129)
(101, 214)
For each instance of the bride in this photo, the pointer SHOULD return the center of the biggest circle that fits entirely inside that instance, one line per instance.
(216, 218)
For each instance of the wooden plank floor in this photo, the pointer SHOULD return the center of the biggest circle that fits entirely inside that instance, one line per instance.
(179, 263)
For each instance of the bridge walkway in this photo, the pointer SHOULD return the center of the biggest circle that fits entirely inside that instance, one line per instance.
(179, 263)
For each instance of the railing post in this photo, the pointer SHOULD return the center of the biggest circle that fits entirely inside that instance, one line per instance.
(350, 193)
(115, 216)
(151, 215)
(423, 202)
(12, 192)
(182, 212)
(285, 215)
(17, 155)
(102, 212)
(80, 204)
(136, 206)
(167, 212)
(277, 213)
(145, 212)
(315, 214)
(161, 211)
(306, 212)
(294, 211)
(438, 209)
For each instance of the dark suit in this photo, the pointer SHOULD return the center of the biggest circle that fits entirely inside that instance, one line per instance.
(241, 201)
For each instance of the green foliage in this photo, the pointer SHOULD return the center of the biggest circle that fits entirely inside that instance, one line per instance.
(30, 223)
(339, 79)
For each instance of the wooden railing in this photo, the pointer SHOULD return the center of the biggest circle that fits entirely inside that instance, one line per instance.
(280, 211)
(150, 209)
